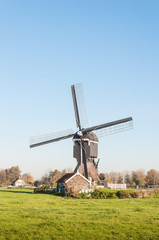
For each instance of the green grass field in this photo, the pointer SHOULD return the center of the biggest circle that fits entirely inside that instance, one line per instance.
(24, 215)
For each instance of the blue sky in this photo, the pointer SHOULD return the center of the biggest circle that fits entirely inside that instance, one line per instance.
(112, 47)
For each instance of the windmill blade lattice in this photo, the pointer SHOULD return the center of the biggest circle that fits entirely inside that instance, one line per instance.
(85, 148)
(52, 137)
(114, 129)
(81, 104)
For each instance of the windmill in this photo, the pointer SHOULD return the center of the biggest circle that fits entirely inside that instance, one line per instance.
(85, 148)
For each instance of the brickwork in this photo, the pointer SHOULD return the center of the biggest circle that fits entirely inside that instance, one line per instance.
(92, 172)
(76, 184)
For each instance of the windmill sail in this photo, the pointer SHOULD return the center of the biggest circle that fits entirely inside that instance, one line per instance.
(79, 105)
(78, 123)
(81, 118)
(114, 129)
(120, 123)
(85, 139)
(49, 138)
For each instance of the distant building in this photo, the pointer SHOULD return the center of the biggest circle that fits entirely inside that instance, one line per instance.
(73, 183)
(18, 182)
(114, 185)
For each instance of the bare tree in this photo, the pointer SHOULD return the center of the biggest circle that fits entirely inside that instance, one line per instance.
(139, 177)
(128, 179)
(54, 176)
(8, 175)
(45, 179)
(120, 179)
(152, 177)
(66, 170)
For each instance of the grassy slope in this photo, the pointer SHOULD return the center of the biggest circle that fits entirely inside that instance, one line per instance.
(24, 215)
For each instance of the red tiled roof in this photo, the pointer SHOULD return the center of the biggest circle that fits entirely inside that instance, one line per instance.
(65, 177)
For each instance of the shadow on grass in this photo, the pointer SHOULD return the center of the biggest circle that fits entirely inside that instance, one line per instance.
(30, 192)
(16, 191)
(51, 193)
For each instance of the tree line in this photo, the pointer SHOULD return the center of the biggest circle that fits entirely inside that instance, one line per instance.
(132, 179)
(9, 175)
(50, 178)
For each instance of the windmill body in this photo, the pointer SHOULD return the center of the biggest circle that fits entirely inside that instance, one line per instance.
(90, 141)
(85, 140)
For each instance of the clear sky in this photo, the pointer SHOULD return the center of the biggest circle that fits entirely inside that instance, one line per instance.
(111, 47)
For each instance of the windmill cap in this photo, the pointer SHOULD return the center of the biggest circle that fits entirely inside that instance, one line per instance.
(90, 135)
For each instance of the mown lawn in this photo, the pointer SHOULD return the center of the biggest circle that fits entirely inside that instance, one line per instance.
(24, 215)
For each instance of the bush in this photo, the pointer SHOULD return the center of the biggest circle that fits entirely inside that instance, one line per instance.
(121, 194)
(38, 190)
(83, 195)
(103, 194)
(111, 195)
(156, 195)
(124, 194)
(43, 189)
(99, 194)
(46, 187)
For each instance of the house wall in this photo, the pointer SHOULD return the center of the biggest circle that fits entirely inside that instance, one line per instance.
(19, 183)
(76, 184)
